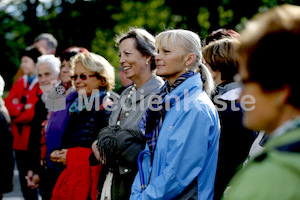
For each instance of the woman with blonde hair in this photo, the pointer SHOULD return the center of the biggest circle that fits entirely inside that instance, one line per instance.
(93, 78)
(182, 137)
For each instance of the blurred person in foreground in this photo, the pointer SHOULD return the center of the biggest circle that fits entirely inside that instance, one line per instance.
(274, 84)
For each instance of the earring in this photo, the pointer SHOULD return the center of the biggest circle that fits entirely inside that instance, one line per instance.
(187, 69)
(146, 63)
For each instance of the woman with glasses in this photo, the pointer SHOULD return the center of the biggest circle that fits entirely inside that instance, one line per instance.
(56, 121)
(181, 154)
(119, 151)
(93, 77)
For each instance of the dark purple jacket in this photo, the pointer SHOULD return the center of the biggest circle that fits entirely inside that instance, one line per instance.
(56, 126)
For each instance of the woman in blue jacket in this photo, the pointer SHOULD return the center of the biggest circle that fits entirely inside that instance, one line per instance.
(182, 137)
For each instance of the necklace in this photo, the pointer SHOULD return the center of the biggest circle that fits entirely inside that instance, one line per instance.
(133, 88)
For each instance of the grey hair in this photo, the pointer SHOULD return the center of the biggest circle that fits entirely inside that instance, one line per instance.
(145, 42)
(51, 41)
(52, 60)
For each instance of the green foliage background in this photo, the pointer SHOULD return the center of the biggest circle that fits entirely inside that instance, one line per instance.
(93, 24)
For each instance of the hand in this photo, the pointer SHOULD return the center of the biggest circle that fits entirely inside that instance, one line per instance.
(32, 179)
(27, 106)
(96, 151)
(59, 156)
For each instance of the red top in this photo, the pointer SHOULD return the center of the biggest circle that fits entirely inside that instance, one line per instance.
(20, 94)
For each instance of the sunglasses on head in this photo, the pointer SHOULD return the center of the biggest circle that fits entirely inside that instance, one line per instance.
(82, 76)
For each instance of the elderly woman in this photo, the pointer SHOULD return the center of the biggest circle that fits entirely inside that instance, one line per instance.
(47, 72)
(57, 120)
(120, 149)
(93, 77)
(182, 137)
(274, 84)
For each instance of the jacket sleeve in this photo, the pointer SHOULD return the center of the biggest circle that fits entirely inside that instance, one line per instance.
(27, 115)
(187, 152)
(74, 182)
(34, 145)
(14, 109)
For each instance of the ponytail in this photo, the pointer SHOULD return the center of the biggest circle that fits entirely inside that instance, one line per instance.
(207, 79)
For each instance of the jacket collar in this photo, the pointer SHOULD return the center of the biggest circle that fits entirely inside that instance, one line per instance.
(33, 83)
(147, 88)
(185, 88)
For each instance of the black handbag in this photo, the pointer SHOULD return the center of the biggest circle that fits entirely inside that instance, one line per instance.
(119, 147)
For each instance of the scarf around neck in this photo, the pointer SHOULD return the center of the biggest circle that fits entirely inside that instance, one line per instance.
(152, 120)
(74, 107)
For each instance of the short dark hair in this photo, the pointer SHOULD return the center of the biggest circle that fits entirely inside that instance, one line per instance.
(219, 34)
(70, 52)
(31, 52)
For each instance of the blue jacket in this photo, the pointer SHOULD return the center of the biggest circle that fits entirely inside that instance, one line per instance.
(186, 149)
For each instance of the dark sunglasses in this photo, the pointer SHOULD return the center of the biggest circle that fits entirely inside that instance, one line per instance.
(83, 76)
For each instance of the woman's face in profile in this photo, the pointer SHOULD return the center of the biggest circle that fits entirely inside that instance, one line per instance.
(261, 108)
(170, 62)
(132, 60)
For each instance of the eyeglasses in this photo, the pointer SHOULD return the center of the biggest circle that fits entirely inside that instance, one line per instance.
(82, 76)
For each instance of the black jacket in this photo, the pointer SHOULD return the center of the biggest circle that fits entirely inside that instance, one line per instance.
(7, 159)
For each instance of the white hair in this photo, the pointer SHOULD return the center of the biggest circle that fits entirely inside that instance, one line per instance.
(52, 60)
